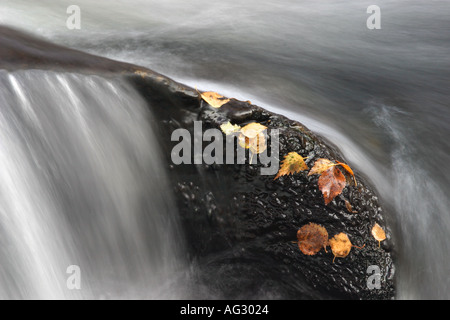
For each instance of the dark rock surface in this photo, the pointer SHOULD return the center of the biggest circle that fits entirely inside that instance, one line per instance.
(239, 225)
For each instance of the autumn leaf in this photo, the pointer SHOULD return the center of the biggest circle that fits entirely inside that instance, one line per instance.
(229, 128)
(348, 169)
(214, 99)
(252, 130)
(311, 238)
(252, 137)
(378, 233)
(349, 207)
(331, 183)
(243, 141)
(258, 144)
(340, 245)
(292, 163)
(320, 166)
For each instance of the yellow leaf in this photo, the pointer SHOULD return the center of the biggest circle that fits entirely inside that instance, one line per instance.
(320, 166)
(229, 128)
(258, 144)
(378, 233)
(252, 129)
(214, 99)
(292, 163)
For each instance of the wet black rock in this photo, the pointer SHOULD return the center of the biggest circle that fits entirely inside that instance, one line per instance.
(240, 226)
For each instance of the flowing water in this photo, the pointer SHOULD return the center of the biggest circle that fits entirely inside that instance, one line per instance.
(381, 96)
(80, 174)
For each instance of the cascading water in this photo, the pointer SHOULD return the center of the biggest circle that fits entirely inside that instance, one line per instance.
(381, 96)
(81, 184)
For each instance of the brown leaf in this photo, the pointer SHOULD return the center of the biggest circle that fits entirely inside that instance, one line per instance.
(214, 99)
(349, 207)
(320, 166)
(348, 169)
(311, 238)
(331, 183)
(340, 245)
(378, 233)
(292, 163)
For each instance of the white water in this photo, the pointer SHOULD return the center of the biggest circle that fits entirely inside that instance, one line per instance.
(381, 96)
(81, 184)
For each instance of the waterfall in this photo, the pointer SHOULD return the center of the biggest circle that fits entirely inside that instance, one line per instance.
(81, 185)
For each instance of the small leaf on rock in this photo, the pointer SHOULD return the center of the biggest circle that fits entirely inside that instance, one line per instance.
(340, 245)
(311, 238)
(252, 129)
(214, 99)
(258, 144)
(378, 233)
(229, 128)
(331, 183)
(292, 163)
(320, 166)
(349, 207)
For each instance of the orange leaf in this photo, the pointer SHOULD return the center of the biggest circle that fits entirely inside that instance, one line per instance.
(331, 183)
(214, 99)
(320, 166)
(348, 169)
(340, 245)
(378, 233)
(252, 129)
(311, 238)
(292, 163)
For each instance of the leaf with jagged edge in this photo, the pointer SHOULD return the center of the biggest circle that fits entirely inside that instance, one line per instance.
(292, 163)
(229, 128)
